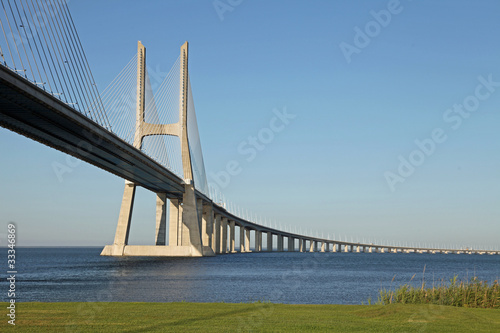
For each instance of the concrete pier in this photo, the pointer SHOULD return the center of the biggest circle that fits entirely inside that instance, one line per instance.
(247, 240)
(280, 243)
(302, 245)
(161, 218)
(224, 235)
(242, 240)
(218, 234)
(232, 226)
(258, 241)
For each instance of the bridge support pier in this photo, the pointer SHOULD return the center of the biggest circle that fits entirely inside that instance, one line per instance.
(280, 243)
(258, 241)
(231, 236)
(224, 235)
(218, 236)
(269, 242)
(161, 218)
(185, 236)
(242, 240)
(124, 219)
(207, 229)
(247, 240)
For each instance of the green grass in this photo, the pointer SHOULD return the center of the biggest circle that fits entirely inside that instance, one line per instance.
(247, 317)
(470, 294)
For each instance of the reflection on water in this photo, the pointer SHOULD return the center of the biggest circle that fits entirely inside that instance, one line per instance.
(80, 274)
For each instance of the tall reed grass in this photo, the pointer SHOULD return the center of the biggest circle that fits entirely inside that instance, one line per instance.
(473, 294)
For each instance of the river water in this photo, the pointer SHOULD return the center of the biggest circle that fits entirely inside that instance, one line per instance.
(81, 274)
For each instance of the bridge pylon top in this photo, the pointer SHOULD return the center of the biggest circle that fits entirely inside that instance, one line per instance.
(179, 129)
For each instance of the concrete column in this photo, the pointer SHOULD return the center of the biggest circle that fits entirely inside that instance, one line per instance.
(269, 241)
(199, 211)
(291, 244)
(327, 247)
(280, 243)
(311, 245)
(302, 244)
(322, 246)
(224, 235)
(258, 241)
(218, 236)
(334, 247)
(346, 248)
(191, 230)
(161, 218)
(214, 231)
(315, 246)
(242, 240)
(247, 240)
(173, 231)
(207, 226)
(357, 249)
(232, 225)
(124, 219)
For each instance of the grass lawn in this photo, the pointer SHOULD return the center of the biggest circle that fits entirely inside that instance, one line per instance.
(255, 317)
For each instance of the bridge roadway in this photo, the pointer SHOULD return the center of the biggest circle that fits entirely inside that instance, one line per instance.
(29, 110)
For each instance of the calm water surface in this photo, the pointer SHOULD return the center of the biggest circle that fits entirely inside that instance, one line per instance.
(80, 274)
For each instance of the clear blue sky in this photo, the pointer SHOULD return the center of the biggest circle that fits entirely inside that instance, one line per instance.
(360, 101)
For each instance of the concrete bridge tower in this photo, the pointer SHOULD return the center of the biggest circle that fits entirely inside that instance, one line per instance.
(188, 217)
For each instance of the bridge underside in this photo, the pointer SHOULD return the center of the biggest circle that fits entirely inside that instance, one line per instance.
(36, 114)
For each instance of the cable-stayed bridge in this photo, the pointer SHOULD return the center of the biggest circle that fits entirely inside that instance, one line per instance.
(149, 138)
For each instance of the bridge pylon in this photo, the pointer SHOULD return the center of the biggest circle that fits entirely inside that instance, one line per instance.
(189, 216)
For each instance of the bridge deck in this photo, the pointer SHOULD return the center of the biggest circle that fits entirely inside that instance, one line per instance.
(36, 114)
